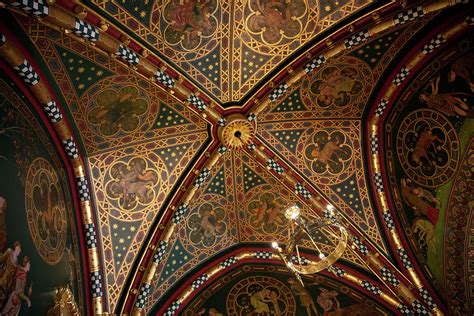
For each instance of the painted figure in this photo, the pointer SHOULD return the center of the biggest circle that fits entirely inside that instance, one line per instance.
(328, 301)
(306, 300)
(411, 196)
(425, 147)
(424, 231)
(9, 262)
(13, 305)
(336, 84)
(445, 103)
(206, 225)
(267, 213)
(329, 152)
(463, 67)
(260, 301)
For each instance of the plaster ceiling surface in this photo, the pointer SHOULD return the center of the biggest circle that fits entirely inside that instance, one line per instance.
(170, 198)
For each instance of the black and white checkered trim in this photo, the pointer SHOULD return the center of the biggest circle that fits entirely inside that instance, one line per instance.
(86, 30)
(27, 73)
(272, 164)
(3, 39)
(222, 121)
(408, 15)
(180, 213)
(127, 55)
(91, 238)
(427, 298)
(202, 176)
(303, 261)
(199, 281)
(378, 182)
(142, 297)
(52, 111)
(381, 107)
(331, 215)
(160, 251)
(172, 309)
(433, 44)
(362, 248)
(315, 63)
(470, 20)
(228, 262)
(402, 74)
(96, 284)
(402, 253)
(222, 149)
(252, 146)
(300, 189)
(356, 39)
(388, 219)
(388, 276)
(164, 78)
(70, 147)
(419, 309)
(371, 288)
(251, 117)
(263, 254)
(374, 144)
(404, 309)
(337, 271)
(197, 102)
(278, 92)
(38, 8)
(82, 189)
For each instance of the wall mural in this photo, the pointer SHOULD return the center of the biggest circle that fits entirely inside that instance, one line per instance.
(34, 265)
(427, 134)
(271, 290)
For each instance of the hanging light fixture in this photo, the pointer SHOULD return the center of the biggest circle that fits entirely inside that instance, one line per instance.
(303, 229)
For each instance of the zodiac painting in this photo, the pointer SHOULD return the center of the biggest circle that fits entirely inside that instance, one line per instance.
(118, 110)
(266, 213)
(329, 152)
(337, 86)
(207, 225)
(274, 20)
(132, 183)
(189, 21)
(260, 296)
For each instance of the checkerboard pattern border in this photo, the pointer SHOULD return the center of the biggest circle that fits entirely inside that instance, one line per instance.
(300, 189)
(200, 280)
(91, 237)
(143, 296)
(70, 147)
(39, 8)
(96, 284)
(419, 309)
(381, 107)
(433, 44)
(427, 298)
(201, 178)
(388, 275)
(82, 188)
(404, 309)
(315, 63)
(378, 182)
(251, 117)
(263, 254)
(356, 39)
(27, 73)
(52, 111)
(278, 92)
(222, 149)
(362, 248)
(160, 251)
(127, 55)
(402, 254)
(337, 271)
(388, 219)
(180, 213)
(252, 147)
(221, 121)
(371, 288)
(401, 75)
(228, 262)
(272, 164)
(374, 144)
(408, 15)
(197, 102)
(85, 30)
(163, 78)
(172, 309)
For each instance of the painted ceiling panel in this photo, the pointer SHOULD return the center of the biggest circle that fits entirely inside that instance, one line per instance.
(226, 47)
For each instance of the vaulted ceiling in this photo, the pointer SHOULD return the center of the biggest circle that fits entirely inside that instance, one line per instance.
(363, 106)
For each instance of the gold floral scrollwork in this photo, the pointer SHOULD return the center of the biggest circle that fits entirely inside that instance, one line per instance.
(132, 183)
(46, 210)
(118, 111)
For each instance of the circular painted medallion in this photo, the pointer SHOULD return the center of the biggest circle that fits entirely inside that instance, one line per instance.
(46, 210)
(260, 295)
(428, 148)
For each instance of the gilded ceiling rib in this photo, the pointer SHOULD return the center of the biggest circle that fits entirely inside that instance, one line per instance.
(15, 58)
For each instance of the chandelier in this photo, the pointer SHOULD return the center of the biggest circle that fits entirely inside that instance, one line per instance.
(304, 232)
